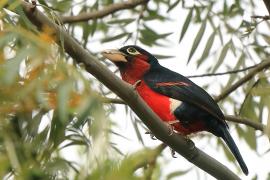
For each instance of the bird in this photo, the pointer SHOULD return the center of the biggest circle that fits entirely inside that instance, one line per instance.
(174, 98)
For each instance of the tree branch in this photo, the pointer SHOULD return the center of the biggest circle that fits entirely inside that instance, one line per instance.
(261, 17)
(113, 100)
(104, 12)
(250, 123)
(223, 73)
(181, 145)
(267, 4)
(251, 74)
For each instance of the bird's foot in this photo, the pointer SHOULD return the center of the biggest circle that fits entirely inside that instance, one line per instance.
(170, 124)
(173, 153)
(151, 135)
(136, 84)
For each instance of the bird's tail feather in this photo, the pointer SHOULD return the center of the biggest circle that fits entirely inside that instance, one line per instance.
(232, 146)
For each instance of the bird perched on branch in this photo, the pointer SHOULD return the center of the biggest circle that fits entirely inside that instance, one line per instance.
(174, 98)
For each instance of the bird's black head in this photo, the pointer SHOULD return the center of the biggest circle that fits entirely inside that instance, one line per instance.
(129, 54)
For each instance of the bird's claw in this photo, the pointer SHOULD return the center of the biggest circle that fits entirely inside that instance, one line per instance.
(170, 127)
(151, 135)
(173, 153)
(136, 84)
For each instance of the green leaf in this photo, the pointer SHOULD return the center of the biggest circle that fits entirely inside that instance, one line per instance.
(240, 131)
(233, 48)
(24, 19)
(186, 24)
(207, 48)
(268, 178)
(63, 6)
(84, 111)
(9, 71)
(177, 174)
(125, 21)
(149, 37)
(138, 133)
(220, 35)
(261, 91)
(226, 150)
(63, 95)
(119, 36)
(94, 27)
(250, 137)
(248, 108)
(239, 63)
(172, 6)
(222, 56)
(158, 56)
(197, 40)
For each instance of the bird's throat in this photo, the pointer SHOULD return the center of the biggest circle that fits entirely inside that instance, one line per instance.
(134, 71)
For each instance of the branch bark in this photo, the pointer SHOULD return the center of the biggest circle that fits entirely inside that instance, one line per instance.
(181, 145)
(104, 12)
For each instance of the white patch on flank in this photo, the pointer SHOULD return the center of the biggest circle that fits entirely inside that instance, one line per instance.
(174, 104)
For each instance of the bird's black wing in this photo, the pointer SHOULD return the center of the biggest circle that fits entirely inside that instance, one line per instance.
(176, 86)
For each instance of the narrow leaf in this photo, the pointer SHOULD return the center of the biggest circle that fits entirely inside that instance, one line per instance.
(197, 40)
(119, 36)
(239, 63)
(186, 24)
(122, 21)
(222, 56)
(251, 138)
(63, 95)
(267, 129)
(158, 56)
(171, 7)
(207, 48)
(261, 91)
(175, 174)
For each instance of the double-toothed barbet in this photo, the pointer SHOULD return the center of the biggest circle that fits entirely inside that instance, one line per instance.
(174, 98)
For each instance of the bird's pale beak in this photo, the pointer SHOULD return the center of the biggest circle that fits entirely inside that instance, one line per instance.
(114, 55)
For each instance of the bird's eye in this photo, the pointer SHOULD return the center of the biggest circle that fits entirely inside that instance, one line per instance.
(132, 51)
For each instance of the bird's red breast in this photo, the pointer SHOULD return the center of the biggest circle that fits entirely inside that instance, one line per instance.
(162, 105)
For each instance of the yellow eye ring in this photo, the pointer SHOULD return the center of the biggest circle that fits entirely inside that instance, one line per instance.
(132, 51)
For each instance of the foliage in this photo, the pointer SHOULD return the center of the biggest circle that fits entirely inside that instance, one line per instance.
(49, 104)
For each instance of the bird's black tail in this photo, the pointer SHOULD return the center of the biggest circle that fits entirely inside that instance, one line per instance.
(231, 144)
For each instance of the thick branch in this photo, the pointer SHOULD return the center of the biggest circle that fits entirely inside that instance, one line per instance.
(251, 74)
(267, 4)
(104, 12)
(186, 148)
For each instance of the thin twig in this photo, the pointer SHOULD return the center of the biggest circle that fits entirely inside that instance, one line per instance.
(248, 122)
(110, 9)
(266, 17)
(263, 65)
(223, 73)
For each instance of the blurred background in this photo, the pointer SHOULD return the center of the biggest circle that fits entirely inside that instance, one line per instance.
(55, 124)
